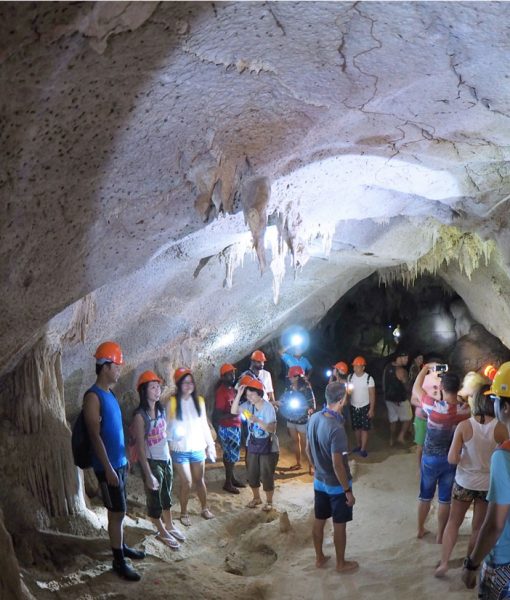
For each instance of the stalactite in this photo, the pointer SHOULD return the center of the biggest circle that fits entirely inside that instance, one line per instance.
(449, 244)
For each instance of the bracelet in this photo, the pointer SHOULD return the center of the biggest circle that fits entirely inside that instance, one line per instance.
(348, 490)
(469, 566)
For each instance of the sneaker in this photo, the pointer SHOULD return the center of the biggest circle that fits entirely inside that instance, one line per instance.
(133, 553)
(363, 453)
(125, 571)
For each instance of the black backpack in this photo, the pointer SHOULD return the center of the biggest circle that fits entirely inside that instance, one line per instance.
(80, 441)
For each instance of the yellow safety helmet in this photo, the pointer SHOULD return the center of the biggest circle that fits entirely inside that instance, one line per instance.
(501, 383)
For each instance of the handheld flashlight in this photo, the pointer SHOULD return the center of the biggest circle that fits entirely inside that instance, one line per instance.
(329, 372)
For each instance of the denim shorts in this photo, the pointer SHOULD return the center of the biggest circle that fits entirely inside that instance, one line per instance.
(182, 458)
(436, 471)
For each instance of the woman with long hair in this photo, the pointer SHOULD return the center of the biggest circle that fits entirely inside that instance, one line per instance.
(190, 441)
(262, 449)
(149, 425)
(471, 450)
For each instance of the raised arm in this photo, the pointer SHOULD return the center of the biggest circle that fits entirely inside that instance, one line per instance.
(418, 390)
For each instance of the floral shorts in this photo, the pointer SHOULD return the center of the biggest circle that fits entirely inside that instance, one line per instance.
(494, 582)
(464, 495)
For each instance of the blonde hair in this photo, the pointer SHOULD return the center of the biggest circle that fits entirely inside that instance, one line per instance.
(471, 385)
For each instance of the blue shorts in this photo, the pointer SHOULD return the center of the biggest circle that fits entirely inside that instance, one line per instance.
(332, 505)
(182, 458)
(436, 471)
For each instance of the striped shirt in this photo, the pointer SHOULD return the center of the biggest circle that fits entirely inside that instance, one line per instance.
(443, 418)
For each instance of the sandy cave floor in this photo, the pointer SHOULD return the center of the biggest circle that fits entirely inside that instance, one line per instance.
(270, 563)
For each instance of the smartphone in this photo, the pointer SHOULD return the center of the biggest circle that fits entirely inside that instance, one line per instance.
(440, 368)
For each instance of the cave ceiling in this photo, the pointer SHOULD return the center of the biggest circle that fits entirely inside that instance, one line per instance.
(189, 178)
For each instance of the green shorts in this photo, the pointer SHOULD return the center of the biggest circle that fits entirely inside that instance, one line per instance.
(420, 430)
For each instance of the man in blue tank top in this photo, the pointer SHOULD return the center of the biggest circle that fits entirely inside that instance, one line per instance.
(103, 418)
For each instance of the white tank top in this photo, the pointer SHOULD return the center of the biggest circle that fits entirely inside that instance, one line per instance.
(475, 459)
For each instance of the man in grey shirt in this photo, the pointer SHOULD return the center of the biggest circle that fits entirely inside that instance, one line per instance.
(326, 447)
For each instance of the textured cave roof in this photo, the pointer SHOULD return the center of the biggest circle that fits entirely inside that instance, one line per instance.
(137, 139)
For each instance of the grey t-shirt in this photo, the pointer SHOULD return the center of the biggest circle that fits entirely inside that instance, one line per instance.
(326, 436)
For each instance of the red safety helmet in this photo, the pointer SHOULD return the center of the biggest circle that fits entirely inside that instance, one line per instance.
(342, 367)
(251, 382)
(258, 355)
(146, 377)
(359, 361)
(109, 352)
(226, 368)
(180, 373)
(295, 371)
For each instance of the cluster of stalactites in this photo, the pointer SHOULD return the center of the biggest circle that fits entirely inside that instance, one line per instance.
(449, 245)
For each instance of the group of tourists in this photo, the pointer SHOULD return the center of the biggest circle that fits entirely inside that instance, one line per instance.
(465, 454)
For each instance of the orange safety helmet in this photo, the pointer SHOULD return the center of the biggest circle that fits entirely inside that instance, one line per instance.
(359, 361)
(147, 377)
(295, 371)
(180, 373)
(342, 367)
(109, 352)
(259, 356)
(251, 382)
(226, 368)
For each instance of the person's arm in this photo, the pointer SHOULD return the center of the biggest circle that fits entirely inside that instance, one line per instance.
(210, 447)
(92, 416)
(234, 409)
(371, 399)
(500, 433)
(311, 402)
(308, 453)
(401, 375)
(150, 481)
(341, 475)
(220, 405)
(489, 534)
(418, 390)
(456, 445)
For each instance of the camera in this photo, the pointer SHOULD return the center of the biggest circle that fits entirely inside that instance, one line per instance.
(439, 368)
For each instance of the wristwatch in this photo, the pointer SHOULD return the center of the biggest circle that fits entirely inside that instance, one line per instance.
(469, 566)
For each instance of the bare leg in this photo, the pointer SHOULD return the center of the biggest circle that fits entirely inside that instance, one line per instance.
(364, 440)
(357, 433)
(443, 512)
(115, 529)
(340, 540)
(269, 497)
(403, 430)
(479, 512)
(197, 476)
(423, 512)
(184, 472)
(457, 514)
(295, 442)
(419, 454)
(318, 538)
(393, 430)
